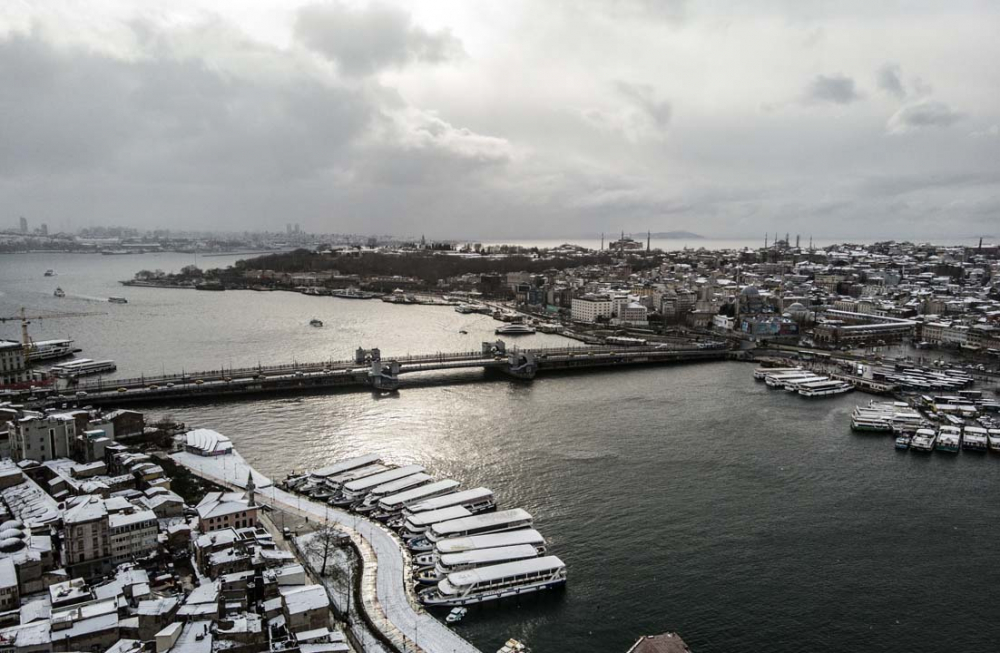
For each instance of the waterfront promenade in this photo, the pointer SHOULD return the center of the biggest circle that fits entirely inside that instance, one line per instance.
(385, 565)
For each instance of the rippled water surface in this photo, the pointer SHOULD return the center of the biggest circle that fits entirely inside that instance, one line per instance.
(686, 498)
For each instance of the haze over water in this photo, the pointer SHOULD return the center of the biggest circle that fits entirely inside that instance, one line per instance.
(681, 498)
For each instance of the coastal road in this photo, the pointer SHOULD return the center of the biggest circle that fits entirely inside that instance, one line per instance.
(386, 566)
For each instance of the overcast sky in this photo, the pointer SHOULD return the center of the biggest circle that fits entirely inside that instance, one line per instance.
(506, 119)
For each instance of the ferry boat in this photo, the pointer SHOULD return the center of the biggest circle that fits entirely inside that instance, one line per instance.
(415, 526)
(993, 436)
(337, 482)
(476, 500)
(386, 489)
(761, 373)
(50, 273)
(357, 490)
(794, 384)
(496, 522)
(514, 330)
(974, 438)
(391, 506)
(41, 350)
(949, 439)
(903, 442)
(452, 562)
(825, 388)
(346, 465)
(117, 300)
(83, 367)
(781, 379)
(59, 292)
(496, 582)
(455, 545)
(315, 323)
(353, 293)
(923, 440)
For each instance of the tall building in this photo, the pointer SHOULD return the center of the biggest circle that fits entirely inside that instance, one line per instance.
(24, 225)
(12, 369)
(44, 229)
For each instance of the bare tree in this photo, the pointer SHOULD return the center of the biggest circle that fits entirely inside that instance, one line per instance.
(323, 543)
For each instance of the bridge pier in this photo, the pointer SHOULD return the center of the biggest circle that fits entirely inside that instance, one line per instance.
(384, 377)
(521, 365)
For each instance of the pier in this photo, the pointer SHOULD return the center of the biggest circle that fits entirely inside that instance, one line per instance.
(371, 370)
(387, 601)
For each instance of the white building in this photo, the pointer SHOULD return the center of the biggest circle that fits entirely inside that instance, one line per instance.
(43, 438)
(132, 535)
(589, 308)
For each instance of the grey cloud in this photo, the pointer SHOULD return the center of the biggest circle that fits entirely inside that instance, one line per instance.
(889, 79)
(836, 89)
(365, 40)
(923, 115)
(644, 97)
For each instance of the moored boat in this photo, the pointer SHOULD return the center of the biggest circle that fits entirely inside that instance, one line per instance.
(496, 582)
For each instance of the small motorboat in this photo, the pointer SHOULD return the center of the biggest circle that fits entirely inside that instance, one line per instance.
(117, 300)
(463, 332)
(903, 442)
(456, 615)
(50, 273)
(513, 646)
(59, 292)
(316, 323)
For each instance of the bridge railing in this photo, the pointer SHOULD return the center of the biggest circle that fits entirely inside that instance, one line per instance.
(185, 377)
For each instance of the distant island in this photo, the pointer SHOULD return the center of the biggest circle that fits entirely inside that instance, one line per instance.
(674, 235)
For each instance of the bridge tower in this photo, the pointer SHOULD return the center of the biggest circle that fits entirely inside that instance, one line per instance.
(384, 376)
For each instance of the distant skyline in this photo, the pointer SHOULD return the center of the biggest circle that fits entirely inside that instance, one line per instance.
(504, 120)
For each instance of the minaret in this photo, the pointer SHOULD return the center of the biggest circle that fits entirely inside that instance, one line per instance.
(796, 241)
(250, 490)
(765, 241)
(602, 241)
(649, 236)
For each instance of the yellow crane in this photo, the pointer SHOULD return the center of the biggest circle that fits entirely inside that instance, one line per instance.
(26, 319)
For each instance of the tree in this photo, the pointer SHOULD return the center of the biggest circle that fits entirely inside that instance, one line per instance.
(190, 271)
(323, 543)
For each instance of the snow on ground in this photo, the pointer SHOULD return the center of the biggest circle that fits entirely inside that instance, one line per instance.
(391, 607)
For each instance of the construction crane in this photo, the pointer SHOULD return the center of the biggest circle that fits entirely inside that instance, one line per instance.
(26, 319)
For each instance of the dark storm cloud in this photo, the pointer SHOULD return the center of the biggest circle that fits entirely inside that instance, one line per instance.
(922, 115)
(836, 89)
(889, 79)
(165, 117)
(365, 40)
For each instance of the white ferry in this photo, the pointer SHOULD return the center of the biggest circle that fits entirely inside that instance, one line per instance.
(47, 349)
(415, 526)
(391, 506)
(393, 487)
(455, 545)
(357, 490)
(781, 379)
(796, 383)
(514, 330)
(496, 582)
(761, 372)
(337, 481)
(974, 438)
(452, 562)
(476, 500)
(826, 388)
(949, 439)
(346, 465)
(494, 522)
(993, 436)
(82, 367)
(923, 440)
